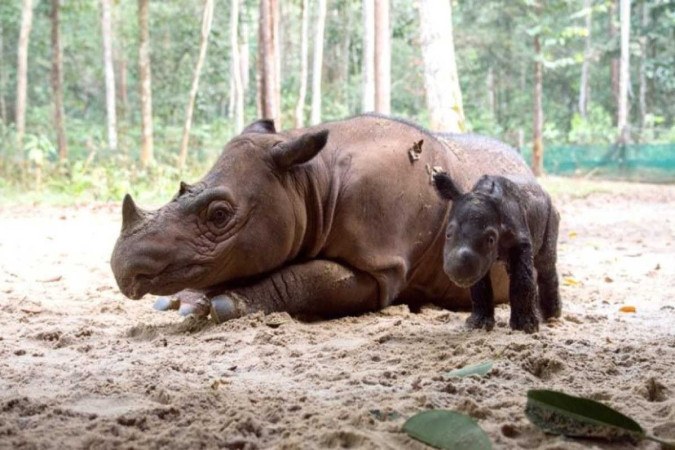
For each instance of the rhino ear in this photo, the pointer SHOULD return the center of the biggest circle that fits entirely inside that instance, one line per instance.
(299, 150)
(446, 187)
(489, 185)
(260, 126)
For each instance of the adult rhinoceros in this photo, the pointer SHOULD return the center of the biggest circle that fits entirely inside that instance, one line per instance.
(335, 219)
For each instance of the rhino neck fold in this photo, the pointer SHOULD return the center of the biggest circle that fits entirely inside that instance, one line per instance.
(317, 191)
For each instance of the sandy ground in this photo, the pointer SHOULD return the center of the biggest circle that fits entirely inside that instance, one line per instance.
(83, 367)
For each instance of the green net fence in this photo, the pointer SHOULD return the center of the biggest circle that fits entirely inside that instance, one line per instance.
(640, 162)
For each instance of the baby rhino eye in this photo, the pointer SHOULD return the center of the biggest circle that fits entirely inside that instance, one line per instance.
(491, 238)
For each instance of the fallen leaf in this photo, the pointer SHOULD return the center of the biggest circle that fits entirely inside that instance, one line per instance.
(51, 279)
(627, 309)
(448, 430)
(478, 369)
(31, 309)
(569, 281)
(572, 234)
(609, 280)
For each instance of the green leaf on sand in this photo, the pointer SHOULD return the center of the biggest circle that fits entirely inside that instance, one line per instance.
(558, 413)
(445, 429)
(479, 369)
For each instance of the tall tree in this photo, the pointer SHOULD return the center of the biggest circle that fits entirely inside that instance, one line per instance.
(207, 19)
(584, 85)
(624, 73)
(614, 63)
(22, 70)
(145, 84)
(106, 28)
(368, 55)
(304, 51)
(3, 76)
(317, 63)
(57, 81)
(642, 90)
(244, 59)
(444, 96)
(538, 112)
(236, 68)
(382, 57)
(269, 99)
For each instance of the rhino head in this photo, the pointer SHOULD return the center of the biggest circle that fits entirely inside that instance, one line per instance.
(246, 217)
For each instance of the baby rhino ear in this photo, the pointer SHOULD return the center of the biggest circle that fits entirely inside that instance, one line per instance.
(446, 187)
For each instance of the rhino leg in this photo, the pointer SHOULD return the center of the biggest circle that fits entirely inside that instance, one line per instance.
(547, 276)
(482, 305)
(317, 287)
(186, 302)
(523, 290)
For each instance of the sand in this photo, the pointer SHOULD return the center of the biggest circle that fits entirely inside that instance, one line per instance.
(83, 367)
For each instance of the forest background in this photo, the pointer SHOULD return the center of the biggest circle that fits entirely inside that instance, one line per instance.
(99, 98)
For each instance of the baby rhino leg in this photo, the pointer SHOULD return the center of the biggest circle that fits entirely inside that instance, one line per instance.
(523, 291)
(482, 305)
(547, 277)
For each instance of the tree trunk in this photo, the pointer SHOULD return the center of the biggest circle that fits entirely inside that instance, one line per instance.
(22, 70)
(269, 100)
(614, 63)
(642, 93)
(121, 85)
(444, 97)
(106, 27)
(491, 97)
(368, 55)
(145, 84)
(382, 57)
(57, 82)
(207, 18)
(584, 85)
(3, 80)
(317, 65)
(304, 54)
(276, 14)
(538, 122)
(244, 59)
(236, 68)
(624, 73)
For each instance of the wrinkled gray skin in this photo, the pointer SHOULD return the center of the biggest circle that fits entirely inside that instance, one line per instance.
(330, 220)
(508, 219)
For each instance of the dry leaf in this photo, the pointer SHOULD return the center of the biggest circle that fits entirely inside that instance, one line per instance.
(627, 309)
(569, 281)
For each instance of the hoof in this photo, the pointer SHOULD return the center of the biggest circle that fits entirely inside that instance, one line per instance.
(223, 308)
(526, 324)
(476, 322)
(166, 304)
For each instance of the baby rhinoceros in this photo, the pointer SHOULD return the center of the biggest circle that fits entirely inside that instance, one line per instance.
(503, 219)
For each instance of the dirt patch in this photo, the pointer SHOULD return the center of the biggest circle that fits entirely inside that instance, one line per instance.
(81, 366)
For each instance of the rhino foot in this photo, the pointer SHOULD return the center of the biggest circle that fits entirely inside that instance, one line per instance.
(227, 306)
(185, 302)
(478, 321)
(527, 323)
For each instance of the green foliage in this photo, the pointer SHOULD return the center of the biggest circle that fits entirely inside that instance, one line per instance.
(447, 430)
(493, 37)
(478, 369)
(560, 413)
(596, 128)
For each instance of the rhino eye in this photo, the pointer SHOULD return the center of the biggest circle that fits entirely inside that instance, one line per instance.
(219, 216)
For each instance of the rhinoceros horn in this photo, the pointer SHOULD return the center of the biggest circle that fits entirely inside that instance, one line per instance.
(131, 214)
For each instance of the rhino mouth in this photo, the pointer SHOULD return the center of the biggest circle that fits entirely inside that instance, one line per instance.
(166, 282)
